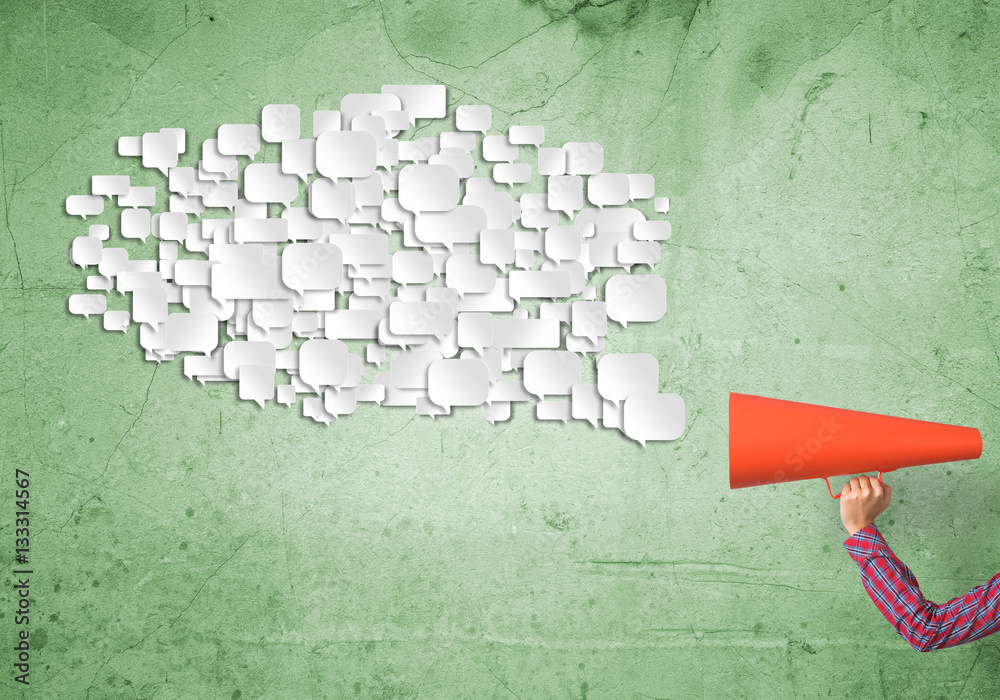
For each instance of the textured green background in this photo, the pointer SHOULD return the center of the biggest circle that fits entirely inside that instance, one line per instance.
(833, 176)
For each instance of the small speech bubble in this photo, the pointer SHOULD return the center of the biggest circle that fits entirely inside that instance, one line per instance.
(138, 197)
(655, 230)
(107, 185)
(654, 417)
(661, 205)
(135, 223)
(86, 251)
(551, 161)
(526, 135)
(326, 120)
(417, 318)
(280, 123)
(589, 319)
(548, 372)
(330, 199)
(115, 320)
(84, 205)
(458, 139)
(604, 189)
(340, 402)
(457, 158)
(457, 382)
(298, 157)
(554, 410)
(256, 383)
(373, 125)
(497, 149)
(496, 412)
(565, 194)
(322, 363)
(465, 273)
(99, 231)
(311, 266)
(409, 368)
(428, 188)
(461, 224)
(233, 140)
(619, 375)
(87, 304)
(563, 243)
(496, 247)
(641, 186)
(412, 267)
(266, 182)
(474, 118)
(149, 305)
(640, 298)
(346, 154)
(638, 253)
(512, 173)
(475, 330)
(535, 211)
(160, 151)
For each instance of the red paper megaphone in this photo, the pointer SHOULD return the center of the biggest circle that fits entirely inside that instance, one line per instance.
(772, 441)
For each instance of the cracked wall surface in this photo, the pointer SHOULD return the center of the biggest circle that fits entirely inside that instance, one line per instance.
(832, 170)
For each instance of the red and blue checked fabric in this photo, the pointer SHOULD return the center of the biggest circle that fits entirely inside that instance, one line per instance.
(924, 625)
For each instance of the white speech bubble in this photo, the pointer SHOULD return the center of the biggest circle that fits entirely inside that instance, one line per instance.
(419, 150)
(551, 161)
(535, 211)
(473, 118)
(619, 375)
(590, 319)
(130, 146)
(395, 120)
(256, 383)
(563, 243)
(86, 251)
(565, 193)
(260, 230)
(526, 135)
(554, 410)
(641, 186)
(512, 173)
(651, 230)
(159, 150)
(420, 101)
(99, 231)
(322, 363)
(496, 149)
(135, 223)
(608, 189)
(412, 267)
(661, 205)
(461, 224)
(280, 123)
(409, 368)
(475, 330)
(340, 403)
(298, 157)
(548, 372)
(428, 188)
(248, 282)
(640, 298)
(496, 247)
(329, 199)
(420, 318)
(181, 181)
(587, 403)
(192, 332)
(113, 262)
(87, 304)
(346, 154)
(311, 266)
(458, 382)
(364, 104)
(84, 205)
(233, 140)
(653, 417)
(496, 412)
(373, 125)
(149, 305)
(528, 333)
(353, 324)
(326, 120)
(584, 158)
(170, 226)
(107, 185)
(539, 283)
(99, 283)
(266, 183)
(464, 272)
(638, 252)
(116, 320)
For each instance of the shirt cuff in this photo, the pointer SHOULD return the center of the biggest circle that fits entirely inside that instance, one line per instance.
(865, 543)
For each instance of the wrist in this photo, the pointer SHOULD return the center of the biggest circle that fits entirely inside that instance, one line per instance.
(853, 528)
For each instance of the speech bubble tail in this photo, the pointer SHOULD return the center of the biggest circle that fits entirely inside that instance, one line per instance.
(592, 421)
(251, 156)
(260, 402)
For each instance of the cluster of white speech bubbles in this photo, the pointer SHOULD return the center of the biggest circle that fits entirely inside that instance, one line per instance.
(443, 303)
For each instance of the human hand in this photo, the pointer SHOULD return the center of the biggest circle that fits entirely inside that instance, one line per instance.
(862, 499)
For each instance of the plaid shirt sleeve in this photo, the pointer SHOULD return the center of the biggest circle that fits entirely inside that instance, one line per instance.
(923, 624)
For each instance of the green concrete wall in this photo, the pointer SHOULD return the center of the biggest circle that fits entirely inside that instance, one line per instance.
(832, 170)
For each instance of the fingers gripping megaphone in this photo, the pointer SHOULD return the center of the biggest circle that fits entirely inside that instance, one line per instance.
(772, 441)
